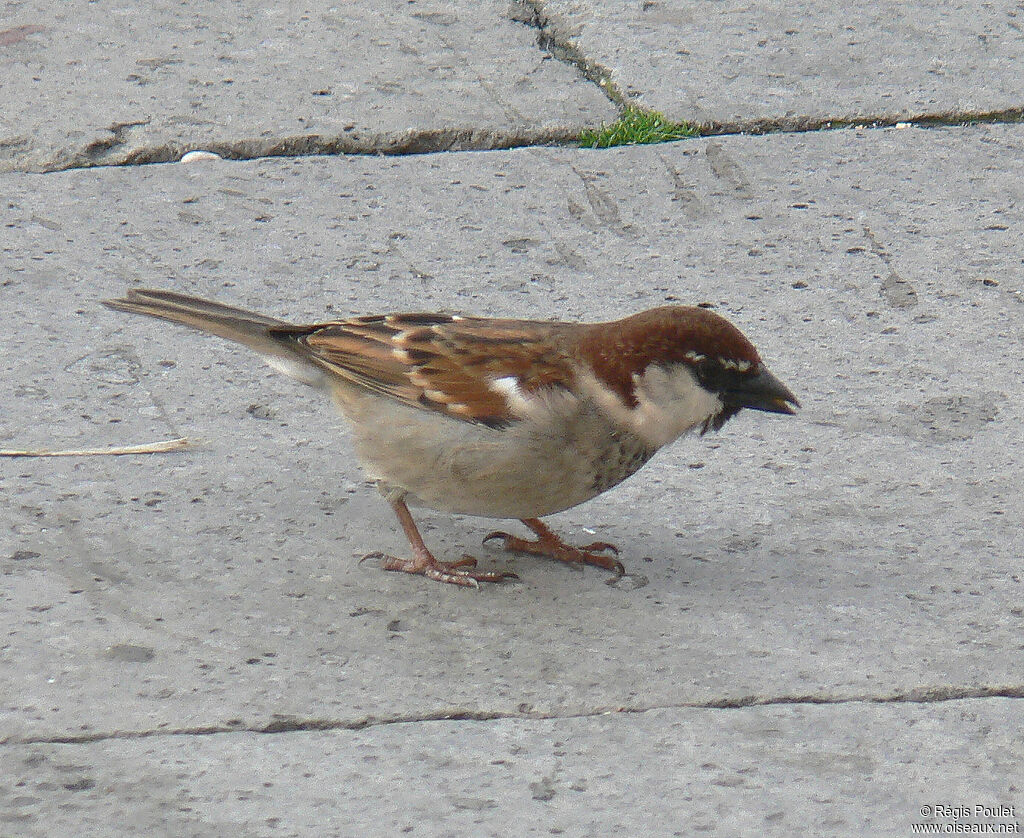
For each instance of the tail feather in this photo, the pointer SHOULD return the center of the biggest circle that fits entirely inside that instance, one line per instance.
(266, 335)
(225, 321)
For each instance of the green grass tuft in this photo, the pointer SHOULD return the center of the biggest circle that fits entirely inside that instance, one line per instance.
(636, 126)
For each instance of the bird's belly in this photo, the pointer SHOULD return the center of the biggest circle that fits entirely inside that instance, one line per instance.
(525, 471)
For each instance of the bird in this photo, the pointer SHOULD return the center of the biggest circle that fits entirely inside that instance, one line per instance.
(502, 418)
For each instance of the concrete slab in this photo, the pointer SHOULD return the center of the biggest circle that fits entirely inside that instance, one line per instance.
(852, 770)
(869, 547)
(88, 84)
(786, 64)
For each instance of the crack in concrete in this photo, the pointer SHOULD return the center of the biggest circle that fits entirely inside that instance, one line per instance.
(808, 124)
(423, 141)
(551, 38)
(98, 149)
(298, 724)
(442, 140)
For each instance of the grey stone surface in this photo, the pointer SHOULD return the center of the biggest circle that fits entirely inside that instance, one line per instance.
(187, 643)
(868, 547)
(791, 63)
(87, 83)
(855, 769)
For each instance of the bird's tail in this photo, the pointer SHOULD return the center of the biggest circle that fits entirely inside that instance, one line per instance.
(266, 335)
(228, 322)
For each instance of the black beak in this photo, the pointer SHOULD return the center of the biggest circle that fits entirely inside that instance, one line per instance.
(759, 390)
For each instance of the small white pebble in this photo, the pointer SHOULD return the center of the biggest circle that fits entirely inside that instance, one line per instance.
(901, 125)
(196, 156)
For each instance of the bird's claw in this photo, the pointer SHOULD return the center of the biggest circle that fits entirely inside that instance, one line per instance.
(555, 548)
(459, 572)
(599, 547)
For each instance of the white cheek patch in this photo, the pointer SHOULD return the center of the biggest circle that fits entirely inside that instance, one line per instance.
(670, 402)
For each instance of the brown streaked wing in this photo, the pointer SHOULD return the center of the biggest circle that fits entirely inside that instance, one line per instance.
(441, 362)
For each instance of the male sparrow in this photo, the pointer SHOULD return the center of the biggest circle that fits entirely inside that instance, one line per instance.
(503, 418)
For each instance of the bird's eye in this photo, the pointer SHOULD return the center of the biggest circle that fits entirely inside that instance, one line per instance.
(712, 375)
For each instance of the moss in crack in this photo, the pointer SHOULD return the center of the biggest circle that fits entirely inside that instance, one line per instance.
(637, 126)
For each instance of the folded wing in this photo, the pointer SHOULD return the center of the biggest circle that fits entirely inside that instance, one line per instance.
(475, 369)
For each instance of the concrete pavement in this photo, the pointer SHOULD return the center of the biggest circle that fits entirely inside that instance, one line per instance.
(820, 629)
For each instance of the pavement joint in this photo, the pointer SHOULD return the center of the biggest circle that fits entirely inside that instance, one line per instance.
(415, 141)
(298, 724)
(454, 139)
(809, 124)
(552, 39)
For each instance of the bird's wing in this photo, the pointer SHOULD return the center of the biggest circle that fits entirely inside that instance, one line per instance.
(474, 369)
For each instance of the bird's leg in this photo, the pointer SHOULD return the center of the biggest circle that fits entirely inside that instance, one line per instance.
(423, 562)
(549, 544)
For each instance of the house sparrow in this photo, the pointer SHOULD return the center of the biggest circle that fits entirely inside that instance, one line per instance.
(503, 418)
